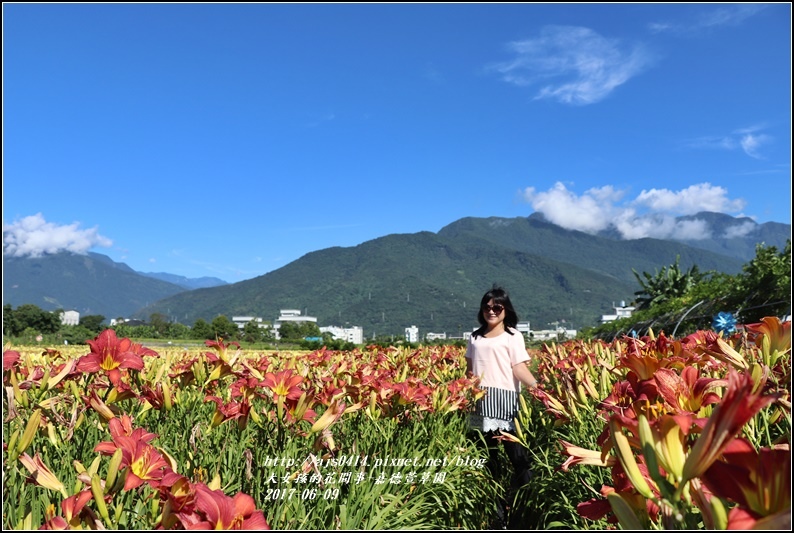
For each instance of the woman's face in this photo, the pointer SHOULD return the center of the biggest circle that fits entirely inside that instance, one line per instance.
(494, 314)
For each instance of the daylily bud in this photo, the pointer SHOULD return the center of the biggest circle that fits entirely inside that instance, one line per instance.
(624, 512)
(12, 441)
(113, 469)
(99, 498)
(719, 513)
(167, 395)
(44, 379)
(74, 389)
(30, 431)
(626, 457)
(51, 434)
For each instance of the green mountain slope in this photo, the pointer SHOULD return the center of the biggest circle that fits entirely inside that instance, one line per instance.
(91, 284)
(614, 258)
(435, 281)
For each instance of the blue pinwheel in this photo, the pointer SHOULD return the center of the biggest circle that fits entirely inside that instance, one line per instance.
(724, 323)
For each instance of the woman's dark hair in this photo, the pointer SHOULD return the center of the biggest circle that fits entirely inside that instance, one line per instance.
(499, 296)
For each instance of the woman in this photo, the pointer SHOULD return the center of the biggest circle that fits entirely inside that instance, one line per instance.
(497, 354)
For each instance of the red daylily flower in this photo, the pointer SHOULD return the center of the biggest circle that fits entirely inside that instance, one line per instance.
(688, 392)
(284, 384)
(742, 401)
(110, 354)
(123, 426)
(146, 464)
(72, 508)
(777, 333)
(229, 411)
(223, 512)
(222, 351)
(759, 481)
(10, 358)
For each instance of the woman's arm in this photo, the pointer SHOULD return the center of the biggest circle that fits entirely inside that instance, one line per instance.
(522, 373)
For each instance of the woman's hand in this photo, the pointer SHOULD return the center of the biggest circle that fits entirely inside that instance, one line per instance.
(522, 373)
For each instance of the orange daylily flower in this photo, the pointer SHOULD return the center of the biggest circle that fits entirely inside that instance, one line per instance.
(110, 355)
(645, 357)
(144, 463)
(772, 337)
(222, 351)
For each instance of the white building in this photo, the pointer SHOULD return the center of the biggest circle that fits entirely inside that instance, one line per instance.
(559, 333)
(241, 321)
(353, 334)
(70, 318)
(434, 336)
(412, 334)
(293, 315)
(621, 311)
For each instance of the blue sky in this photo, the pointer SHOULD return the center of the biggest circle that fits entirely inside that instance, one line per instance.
(229, 140)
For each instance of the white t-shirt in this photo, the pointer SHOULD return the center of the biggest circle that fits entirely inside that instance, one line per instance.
(492, 359)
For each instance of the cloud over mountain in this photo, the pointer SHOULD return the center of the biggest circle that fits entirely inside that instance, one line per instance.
(33, 236)
(652, 213)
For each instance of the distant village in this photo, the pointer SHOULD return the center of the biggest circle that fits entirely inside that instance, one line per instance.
(355, 334)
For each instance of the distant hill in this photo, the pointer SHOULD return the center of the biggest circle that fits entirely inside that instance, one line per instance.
(91, 284)
(434, 281)
(186, 283)
(431, 280)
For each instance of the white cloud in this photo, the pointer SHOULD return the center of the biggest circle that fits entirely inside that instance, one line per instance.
(751, 143)
(33, 236)
(726, 15)
(575, 65)
(651, 214)
(747, 139)
(693, 199)
(590, 212)
(740, 230)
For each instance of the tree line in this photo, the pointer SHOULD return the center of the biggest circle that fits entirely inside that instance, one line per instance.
(30, 324)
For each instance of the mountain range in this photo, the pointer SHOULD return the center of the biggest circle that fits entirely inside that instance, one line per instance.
(431, 280)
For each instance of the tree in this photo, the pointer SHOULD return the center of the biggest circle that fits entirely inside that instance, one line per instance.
(764, 286)
(202, 330)
(92, 323)
(159, 323)
(11, 325)
(299, 330)
(670, 282)
(178, 331)
(252, 332)
(31, 316)
(225, 328)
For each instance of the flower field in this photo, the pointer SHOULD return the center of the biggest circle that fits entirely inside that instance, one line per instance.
(643, 433)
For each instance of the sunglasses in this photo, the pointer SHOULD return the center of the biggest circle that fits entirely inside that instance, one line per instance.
(496, 308)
